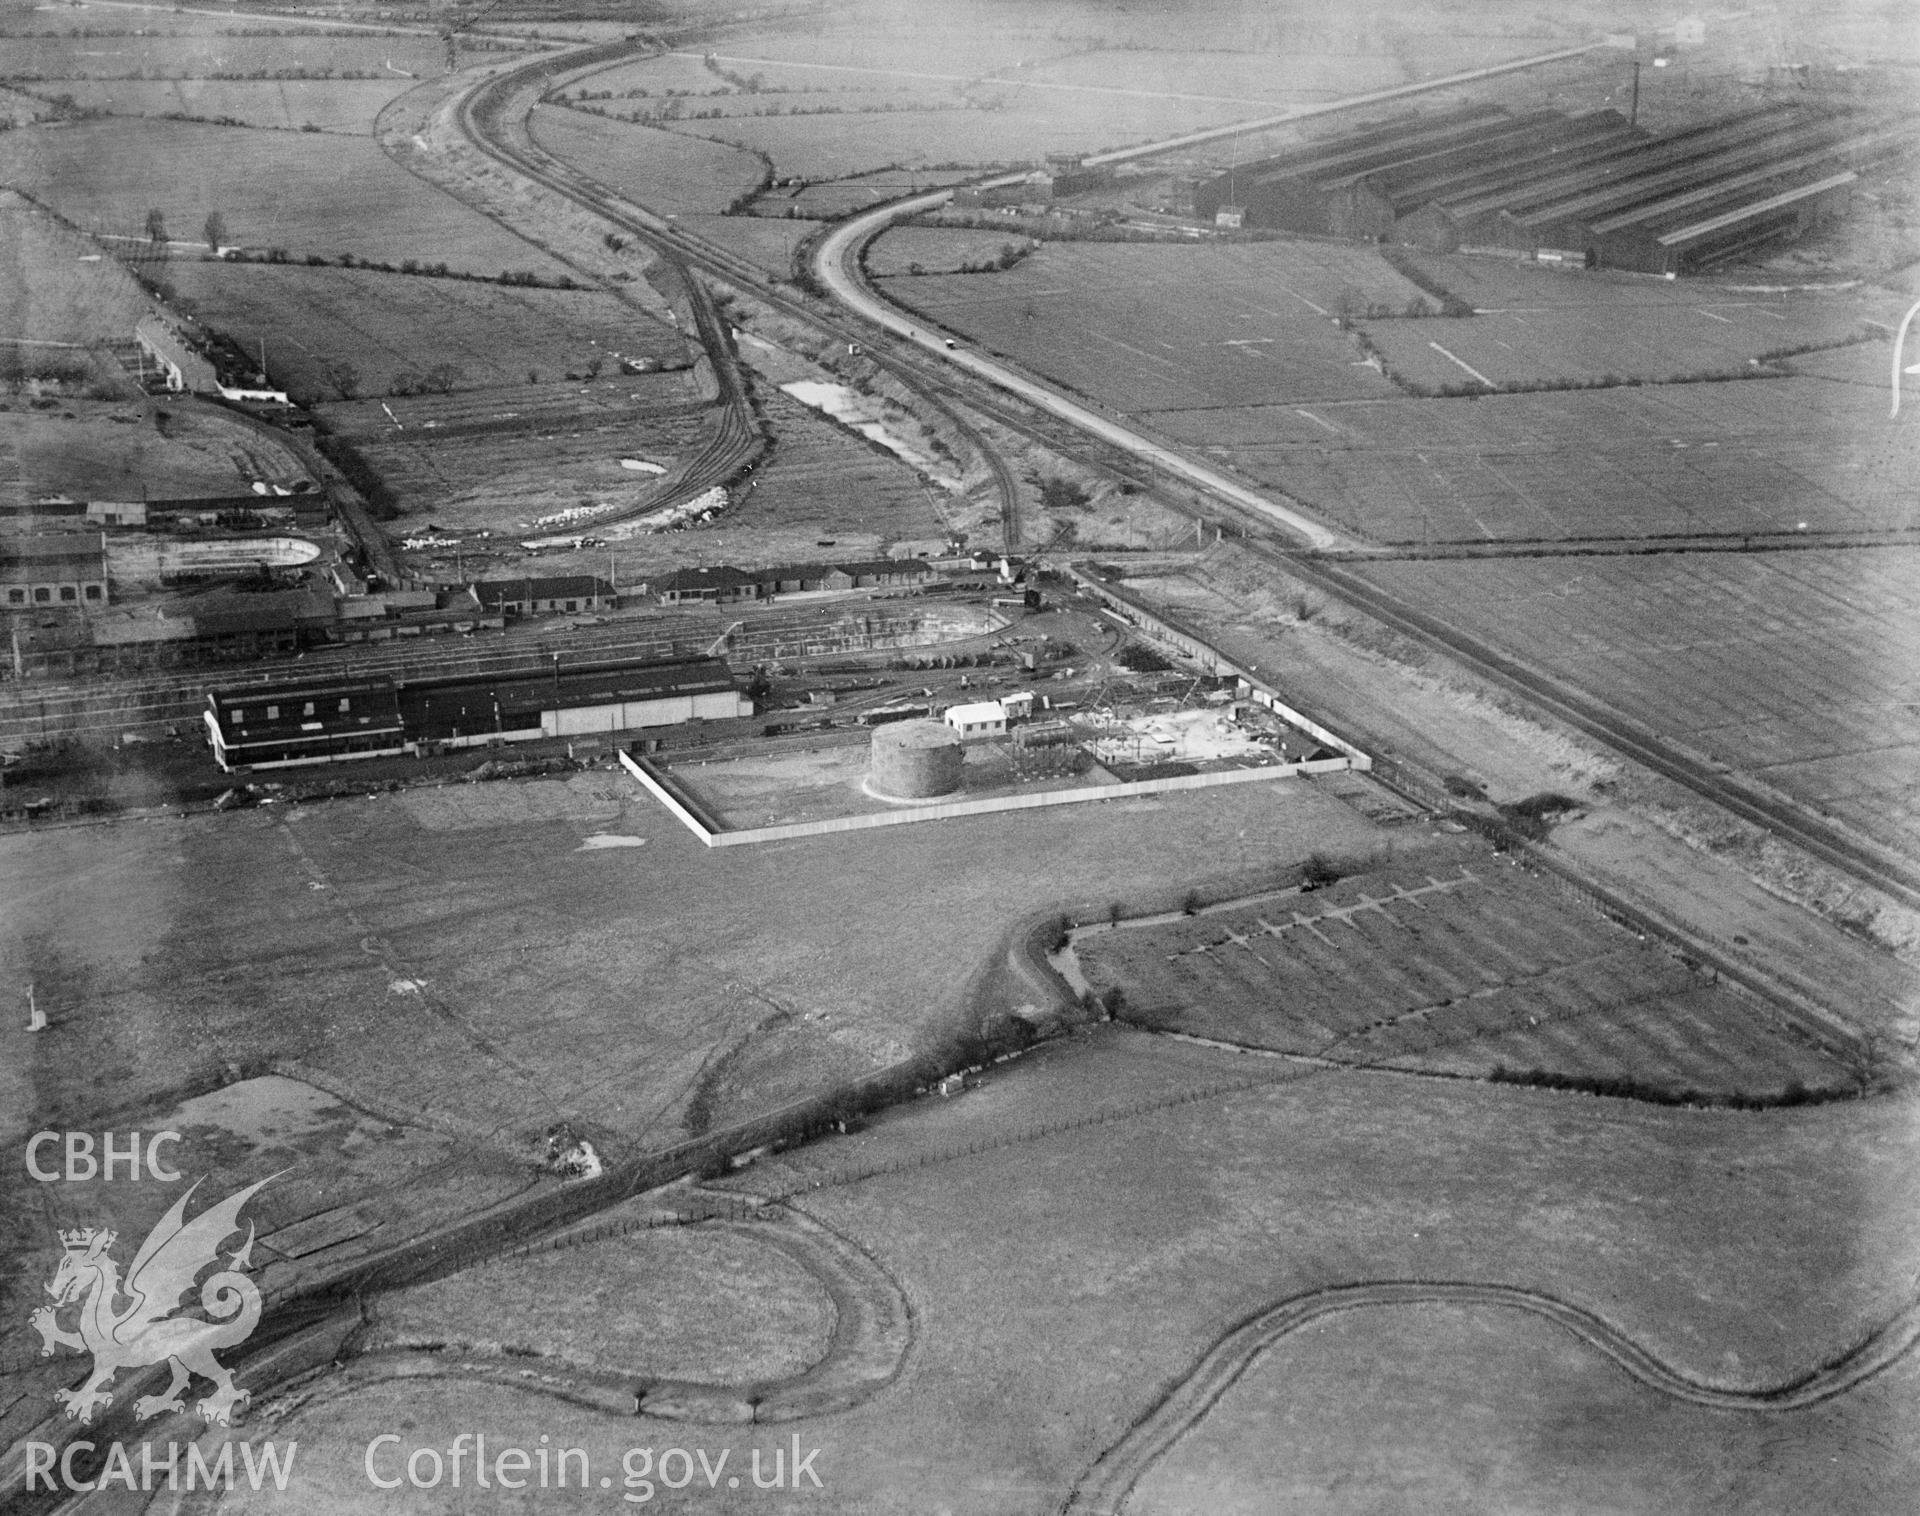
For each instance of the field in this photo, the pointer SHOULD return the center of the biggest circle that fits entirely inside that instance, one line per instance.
(386, 326)
(497, 460)
(56, 287)
(1149, 328)
(93, 450)
(665, 171)
(455, 959)
(1451, 961)
(703, 1303)
(917, 250)
(1794, 668)
(841, 197)
(1741, 1249)
(1756, 456)
(768, 242)
(1504, 1412)
(307, 193)
(51, 61)
(1606, 337)
(327, 105)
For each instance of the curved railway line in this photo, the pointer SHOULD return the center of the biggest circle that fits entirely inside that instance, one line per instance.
(1104, 1490)
(838, 263)
(485, 119)
(1868, 863)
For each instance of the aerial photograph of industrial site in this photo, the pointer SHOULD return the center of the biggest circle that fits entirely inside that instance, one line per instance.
(960, 757)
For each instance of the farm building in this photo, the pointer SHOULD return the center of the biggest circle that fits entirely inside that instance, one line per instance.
(273, 726)
(1586, 189)
(983, 718)
(726, 585)
(54, 569)
(556, 594)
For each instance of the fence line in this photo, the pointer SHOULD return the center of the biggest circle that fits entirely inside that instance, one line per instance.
(674, 797)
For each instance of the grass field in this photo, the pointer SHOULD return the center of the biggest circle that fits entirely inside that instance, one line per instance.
(1147, 328)
(931, 249)
(840, 197)
(1450, 960)
(386, 326)
(1756, 456)
(56, 287)
(1471, 1410)
(669, 172)
(655, 957)
(195, 56)
(1741, 1248)
(330, 105)
(1612, 339)
(768, 242)
(705, 1303)
(124, 451)
(306, 192)
(1795, 668)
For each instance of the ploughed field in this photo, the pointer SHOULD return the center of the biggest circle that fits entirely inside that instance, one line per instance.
(1146, 327)
(1771, 455)
(1452, 961)
(1794, 668)
(1607, 339)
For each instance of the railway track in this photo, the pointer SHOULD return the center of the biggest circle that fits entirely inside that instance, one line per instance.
(1105, 1488)
(489, 123)
(1860, 860)
(488, 118)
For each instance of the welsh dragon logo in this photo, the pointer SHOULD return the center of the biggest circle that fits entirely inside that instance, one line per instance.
(145, 1329)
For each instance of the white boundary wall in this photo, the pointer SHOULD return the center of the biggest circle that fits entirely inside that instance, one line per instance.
(947, 810)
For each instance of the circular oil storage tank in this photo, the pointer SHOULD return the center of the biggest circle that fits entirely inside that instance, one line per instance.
(916, 760)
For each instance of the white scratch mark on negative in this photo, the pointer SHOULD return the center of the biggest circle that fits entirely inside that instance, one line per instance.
(609, 839)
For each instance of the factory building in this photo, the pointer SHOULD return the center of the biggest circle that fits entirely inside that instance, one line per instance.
(1585, 189)
(554, 594)
(725, 585)
(270, 726)
(53, 569)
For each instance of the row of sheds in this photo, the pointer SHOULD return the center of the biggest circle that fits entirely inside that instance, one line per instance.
(279, 725)
(1585, 187)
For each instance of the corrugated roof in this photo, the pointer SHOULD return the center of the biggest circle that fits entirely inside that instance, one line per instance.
(1847, 151)
(552, 587)
(1638, 157)
(1758, 208)
(1634, 188)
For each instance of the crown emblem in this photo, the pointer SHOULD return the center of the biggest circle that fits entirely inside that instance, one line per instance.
(83, 1239)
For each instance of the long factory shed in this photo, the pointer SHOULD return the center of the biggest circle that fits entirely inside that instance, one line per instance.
(1587, 189)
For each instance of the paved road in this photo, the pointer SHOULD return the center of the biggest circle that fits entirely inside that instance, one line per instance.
(836, 266)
